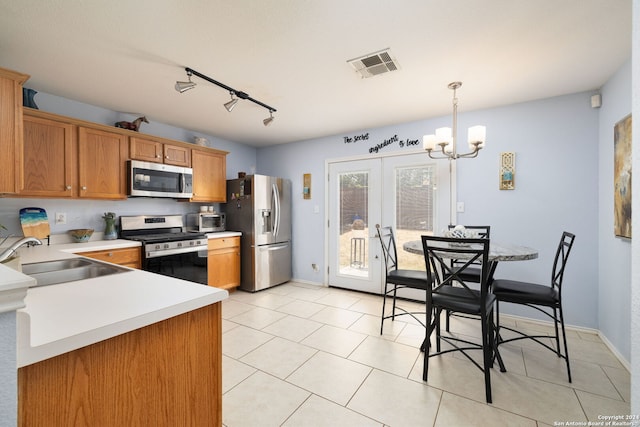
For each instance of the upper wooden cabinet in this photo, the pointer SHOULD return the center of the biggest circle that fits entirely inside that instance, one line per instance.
(64, 157)
(102, 157)
(11, 130)
(154, 151)
(50, 158)
(209, 176)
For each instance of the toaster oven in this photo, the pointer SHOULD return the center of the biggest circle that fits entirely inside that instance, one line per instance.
(206, 222)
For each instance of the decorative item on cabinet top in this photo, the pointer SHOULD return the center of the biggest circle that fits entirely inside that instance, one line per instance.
(134, 125)
(27, 98)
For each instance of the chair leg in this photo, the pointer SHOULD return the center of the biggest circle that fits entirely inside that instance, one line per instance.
(487, 353)
(393, 311)
(384, 303)
(493, 343)
(448, 314)
(427, 341)
(438, 313)
(566, 350)
(555, 324)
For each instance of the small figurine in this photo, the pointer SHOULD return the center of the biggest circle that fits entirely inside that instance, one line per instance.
(134, 126)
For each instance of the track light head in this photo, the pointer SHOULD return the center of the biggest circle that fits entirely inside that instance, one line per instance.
(185, 86)
(269, 119)
(229, 105)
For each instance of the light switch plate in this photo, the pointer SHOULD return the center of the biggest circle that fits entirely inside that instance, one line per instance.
(460, 207)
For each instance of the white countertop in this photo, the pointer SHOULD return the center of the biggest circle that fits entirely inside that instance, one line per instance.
(223, 234)
(67, 316)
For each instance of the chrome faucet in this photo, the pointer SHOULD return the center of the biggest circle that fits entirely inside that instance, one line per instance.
(29, 241)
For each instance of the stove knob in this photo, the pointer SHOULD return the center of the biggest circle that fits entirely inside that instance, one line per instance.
(157, 246)
(179, 244)
(166, 246)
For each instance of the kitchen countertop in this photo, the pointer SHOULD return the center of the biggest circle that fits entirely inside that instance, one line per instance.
(223, 234)
(67, 316)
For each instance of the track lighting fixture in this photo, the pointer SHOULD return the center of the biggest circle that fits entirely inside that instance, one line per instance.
(269, 119)
(185, 86)
(229, 105)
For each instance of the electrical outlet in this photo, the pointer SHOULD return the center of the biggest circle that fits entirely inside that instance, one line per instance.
(61, 218)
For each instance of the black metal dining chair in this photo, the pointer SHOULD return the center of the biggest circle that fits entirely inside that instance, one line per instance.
(472, 273)
(396, 279)
(463, 298)
(547, 299)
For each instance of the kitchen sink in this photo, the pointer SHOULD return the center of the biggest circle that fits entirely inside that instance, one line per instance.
(68, 270)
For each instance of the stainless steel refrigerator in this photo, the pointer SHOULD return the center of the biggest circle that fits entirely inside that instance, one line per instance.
(259, 206)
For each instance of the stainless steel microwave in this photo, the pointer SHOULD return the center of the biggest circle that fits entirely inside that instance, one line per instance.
(146, 179)
(205, 222)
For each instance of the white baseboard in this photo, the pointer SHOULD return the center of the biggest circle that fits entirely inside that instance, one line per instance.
(308, 282)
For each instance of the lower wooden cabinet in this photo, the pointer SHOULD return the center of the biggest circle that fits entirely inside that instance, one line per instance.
(166, 374)
(128, 257)
(223, 262)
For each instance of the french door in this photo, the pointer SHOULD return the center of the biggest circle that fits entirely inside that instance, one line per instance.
(400, 191)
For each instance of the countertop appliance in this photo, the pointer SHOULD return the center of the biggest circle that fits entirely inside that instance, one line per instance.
(166, 248)
(259, 206)
(206, 222)
(147, 179)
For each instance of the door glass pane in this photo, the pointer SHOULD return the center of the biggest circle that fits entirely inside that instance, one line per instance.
(414, 188)
(354, 223)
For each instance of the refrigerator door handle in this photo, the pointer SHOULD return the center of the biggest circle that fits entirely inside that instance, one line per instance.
(276, 198)
(274, 247)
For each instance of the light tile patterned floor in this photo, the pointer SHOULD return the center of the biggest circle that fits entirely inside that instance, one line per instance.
(303, 355)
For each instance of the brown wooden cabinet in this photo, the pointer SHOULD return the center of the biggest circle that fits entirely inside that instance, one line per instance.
(64, 157)
(11, 130)
(102, 159)
(223, 262)
(128, 257)
(49, 158)
(150, 150)
(209, 176)
(131, 379)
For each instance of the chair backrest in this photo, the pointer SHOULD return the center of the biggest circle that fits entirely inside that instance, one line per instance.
(438, 251)
(388, 243)
(484, 231)
(560, 261)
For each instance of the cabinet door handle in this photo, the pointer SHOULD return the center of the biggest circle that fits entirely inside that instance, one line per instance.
(110, 254)
(84, 187)
(68, 187)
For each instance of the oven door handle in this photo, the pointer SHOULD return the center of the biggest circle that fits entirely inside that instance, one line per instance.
(164, 252)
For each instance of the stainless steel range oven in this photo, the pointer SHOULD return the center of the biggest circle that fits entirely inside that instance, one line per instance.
(166, 248)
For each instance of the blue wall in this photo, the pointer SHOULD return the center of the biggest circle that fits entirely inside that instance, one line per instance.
(614, 252)
(556, 145)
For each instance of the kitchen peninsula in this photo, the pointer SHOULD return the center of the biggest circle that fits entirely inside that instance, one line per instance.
(134, 348)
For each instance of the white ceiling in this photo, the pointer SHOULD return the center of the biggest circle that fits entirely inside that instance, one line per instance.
(292, 55)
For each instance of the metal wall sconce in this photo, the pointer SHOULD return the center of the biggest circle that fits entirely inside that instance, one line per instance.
(235, 94)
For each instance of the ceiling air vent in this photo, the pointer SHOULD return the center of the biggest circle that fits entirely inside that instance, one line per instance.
(374, 63)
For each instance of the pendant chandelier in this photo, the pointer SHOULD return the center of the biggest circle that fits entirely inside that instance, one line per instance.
(446, 138)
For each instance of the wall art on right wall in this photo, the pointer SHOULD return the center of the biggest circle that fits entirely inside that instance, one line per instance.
(622, 177)
(508, 171)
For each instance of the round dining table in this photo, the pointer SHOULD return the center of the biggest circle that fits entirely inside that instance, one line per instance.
(497, 251)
